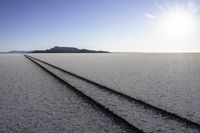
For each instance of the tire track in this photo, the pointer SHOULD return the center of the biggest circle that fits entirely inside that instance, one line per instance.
(90, 100)
(136, 112)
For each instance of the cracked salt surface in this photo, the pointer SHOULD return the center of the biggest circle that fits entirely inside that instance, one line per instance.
(31, 100)
(168, 81)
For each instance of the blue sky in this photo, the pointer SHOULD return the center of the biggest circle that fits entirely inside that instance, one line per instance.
(114, 25)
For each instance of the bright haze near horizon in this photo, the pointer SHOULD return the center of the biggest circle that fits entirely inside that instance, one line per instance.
(113, 25)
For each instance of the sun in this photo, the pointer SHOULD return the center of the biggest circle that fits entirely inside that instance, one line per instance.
(174, 25)
(178, 22)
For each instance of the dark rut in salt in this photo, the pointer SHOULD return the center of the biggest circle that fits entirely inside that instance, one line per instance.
(138, 113)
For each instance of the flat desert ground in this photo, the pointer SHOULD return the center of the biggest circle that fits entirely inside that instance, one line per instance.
(32, 100)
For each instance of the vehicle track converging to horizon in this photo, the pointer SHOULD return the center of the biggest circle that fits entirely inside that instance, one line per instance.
(33, 101)
(139, 115)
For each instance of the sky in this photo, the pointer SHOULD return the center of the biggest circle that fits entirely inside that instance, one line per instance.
(113, 25)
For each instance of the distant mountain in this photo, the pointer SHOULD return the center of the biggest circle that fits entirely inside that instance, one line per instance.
(57, 49)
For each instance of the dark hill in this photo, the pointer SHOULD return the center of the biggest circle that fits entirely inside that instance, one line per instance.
(67, 50)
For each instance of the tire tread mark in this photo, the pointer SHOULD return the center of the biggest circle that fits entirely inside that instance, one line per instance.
(130, 98)
(90, 100)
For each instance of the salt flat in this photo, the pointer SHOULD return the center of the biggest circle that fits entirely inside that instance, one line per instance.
(168, 81)
(31, 100)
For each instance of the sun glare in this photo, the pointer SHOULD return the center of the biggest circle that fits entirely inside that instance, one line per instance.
(178, 22)
(175, 25)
